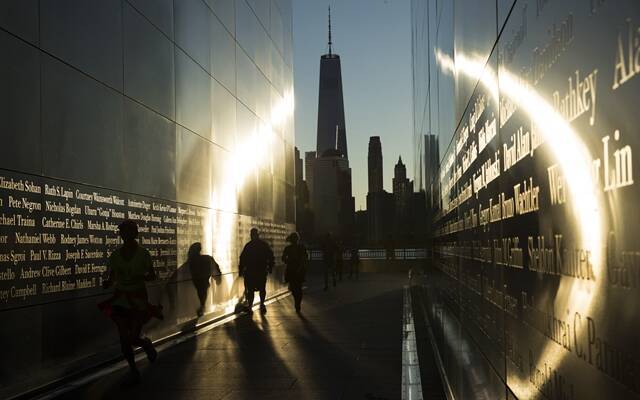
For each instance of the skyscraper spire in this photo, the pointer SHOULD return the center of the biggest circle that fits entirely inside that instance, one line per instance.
(330, 102)
(330, 30)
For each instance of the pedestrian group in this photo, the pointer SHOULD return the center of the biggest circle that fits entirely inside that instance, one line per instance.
(130, 267)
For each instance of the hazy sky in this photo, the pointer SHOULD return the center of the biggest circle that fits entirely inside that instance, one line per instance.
(373, 39)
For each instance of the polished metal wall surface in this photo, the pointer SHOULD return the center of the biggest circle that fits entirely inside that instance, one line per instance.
(534, 282)
(175, 113)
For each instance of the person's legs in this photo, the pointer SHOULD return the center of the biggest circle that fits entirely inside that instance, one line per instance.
(297, 296)
(202, 288)
(263, 297)
(249, 292)
(261, 285)
(326, 276)
(145, 343)
(250, 295)
(123, 323)
(300, 297)
(333, 274)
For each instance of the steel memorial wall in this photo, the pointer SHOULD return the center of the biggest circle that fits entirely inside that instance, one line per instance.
(534, 289)
(56, 237)
(176, 114)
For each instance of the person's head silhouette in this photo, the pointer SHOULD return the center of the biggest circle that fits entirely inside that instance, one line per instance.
(293, 238)
(254, 234)
(128, 230)
(194, 250)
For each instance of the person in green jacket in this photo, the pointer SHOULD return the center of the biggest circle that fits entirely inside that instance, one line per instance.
(129, 267)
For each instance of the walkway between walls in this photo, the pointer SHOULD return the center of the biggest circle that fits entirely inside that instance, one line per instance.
(346, 344)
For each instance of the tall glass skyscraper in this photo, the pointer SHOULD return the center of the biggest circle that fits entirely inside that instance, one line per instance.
(333, 204)
(525, 113)
(374, 165)
(177, 114)
(332, 132)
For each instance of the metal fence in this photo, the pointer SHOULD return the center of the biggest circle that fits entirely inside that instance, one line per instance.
(376, 254)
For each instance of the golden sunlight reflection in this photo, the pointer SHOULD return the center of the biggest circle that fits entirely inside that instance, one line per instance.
(220, 230)
(585, 201)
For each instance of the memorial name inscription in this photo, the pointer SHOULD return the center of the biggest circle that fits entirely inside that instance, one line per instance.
(55, 237)
(535, 231)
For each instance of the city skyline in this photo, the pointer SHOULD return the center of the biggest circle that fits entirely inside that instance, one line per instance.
(363, 68)
(152, 180)
(333, 202)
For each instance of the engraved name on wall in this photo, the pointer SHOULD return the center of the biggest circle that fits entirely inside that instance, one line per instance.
(56, 237)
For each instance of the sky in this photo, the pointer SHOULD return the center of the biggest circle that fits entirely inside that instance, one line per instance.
(373, 39)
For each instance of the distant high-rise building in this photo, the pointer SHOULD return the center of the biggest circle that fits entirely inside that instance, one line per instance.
(332, 202)
(302, 192)
(332, 132)
(304, 216)
(299, 168)
(402, 192)
(309, 159)
(379, 203)
(375, 165)
(380, 214)
(399, 173)
(360, 228)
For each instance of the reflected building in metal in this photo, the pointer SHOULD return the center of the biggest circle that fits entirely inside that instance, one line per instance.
(531, 289)
(176, 114)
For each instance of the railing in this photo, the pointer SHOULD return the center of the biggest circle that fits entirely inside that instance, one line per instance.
(377, 254)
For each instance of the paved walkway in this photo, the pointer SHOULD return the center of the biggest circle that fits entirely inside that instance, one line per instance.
(345, 345)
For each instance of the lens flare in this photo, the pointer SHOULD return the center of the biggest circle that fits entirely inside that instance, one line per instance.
(246, 158)
(585, 199)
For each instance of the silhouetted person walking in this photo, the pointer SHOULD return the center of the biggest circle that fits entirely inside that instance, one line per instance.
(202, 268)
(339, 260)
(128, 269)
(329, 259)
(354, 263)
(256, 261)
(295, 258)
(390, 248)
